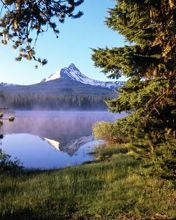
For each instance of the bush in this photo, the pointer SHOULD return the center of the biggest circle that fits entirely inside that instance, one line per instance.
(111, 132)
(103, 130)
(6, 164)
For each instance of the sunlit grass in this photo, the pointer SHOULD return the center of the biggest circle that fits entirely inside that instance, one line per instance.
(106, 189)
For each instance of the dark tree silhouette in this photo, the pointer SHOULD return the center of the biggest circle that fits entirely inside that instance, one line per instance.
(149, 63)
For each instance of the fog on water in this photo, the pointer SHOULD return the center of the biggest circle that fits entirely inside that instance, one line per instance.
(52, 139)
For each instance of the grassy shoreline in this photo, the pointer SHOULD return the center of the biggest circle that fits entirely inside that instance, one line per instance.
(106, 189)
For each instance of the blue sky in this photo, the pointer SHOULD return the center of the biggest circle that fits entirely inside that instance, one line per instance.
(76, 38)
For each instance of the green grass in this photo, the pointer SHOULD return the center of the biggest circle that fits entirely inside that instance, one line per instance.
(107, 189)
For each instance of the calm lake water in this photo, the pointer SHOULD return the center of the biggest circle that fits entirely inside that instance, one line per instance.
(52, 139)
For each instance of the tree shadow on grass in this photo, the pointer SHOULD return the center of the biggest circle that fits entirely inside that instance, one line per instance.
(29, 215)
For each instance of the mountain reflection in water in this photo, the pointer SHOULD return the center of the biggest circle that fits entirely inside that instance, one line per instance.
(53, 143)
(36, 153)
(30, 137)
(72, 147)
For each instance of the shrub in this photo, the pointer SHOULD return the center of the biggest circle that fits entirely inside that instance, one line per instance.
(103, 130)
(111, 132)
(7, 164)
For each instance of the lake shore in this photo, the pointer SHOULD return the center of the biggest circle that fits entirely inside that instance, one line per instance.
(106, 189)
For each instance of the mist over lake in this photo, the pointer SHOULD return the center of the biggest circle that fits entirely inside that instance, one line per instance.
(52, 139)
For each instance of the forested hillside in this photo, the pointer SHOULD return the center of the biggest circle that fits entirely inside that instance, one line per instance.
(57, 94)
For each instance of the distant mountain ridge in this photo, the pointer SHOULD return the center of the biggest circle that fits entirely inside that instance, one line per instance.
(68, 88)
(73, 73)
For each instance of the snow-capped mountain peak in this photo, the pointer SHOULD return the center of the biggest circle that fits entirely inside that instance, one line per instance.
(53, 76)
(73, 73)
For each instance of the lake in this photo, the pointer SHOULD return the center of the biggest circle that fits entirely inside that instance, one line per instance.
(52, 139)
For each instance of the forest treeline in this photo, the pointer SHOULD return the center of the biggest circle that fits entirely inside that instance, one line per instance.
(52, 101)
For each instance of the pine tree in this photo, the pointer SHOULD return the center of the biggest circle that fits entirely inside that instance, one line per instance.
(22, 20)
(149, 63)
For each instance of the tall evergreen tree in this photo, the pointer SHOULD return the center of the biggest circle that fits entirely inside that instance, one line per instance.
(22, 21)
(149, 63)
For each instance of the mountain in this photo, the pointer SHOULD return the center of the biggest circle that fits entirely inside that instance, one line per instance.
(67, 88)
(73, 73)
